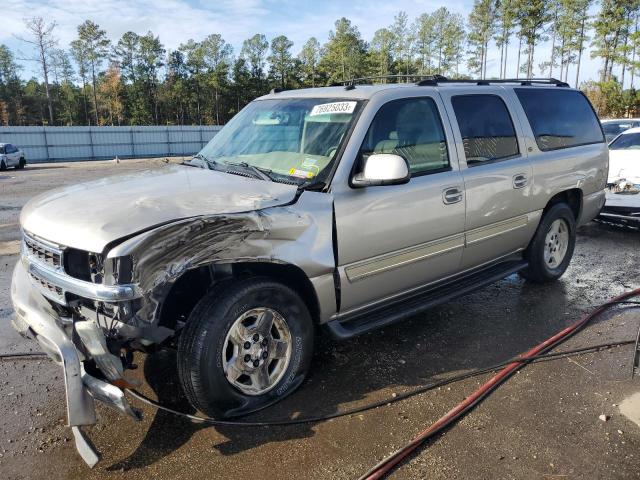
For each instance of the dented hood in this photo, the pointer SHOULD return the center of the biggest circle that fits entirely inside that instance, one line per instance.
(91, 215)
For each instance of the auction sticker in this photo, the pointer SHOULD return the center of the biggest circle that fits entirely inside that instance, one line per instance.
(294, 172)
(335, 107)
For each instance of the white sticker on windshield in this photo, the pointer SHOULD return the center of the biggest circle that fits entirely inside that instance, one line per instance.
(335, 107)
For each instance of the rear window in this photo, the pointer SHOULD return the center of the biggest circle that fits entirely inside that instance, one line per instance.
(560, 118)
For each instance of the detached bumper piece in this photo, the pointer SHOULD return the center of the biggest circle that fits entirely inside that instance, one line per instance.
(622, 208)
(36, 319)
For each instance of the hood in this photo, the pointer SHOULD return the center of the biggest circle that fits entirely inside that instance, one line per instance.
(89, 216)
(623, 164)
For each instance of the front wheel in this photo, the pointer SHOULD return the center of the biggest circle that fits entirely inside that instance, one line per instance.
(551, 248)
(21, 164)
(245, 347)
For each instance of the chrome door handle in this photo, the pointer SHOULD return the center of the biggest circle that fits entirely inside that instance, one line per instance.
(451, 195)
(520, 180)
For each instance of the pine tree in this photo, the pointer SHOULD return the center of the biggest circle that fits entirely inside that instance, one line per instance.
(95, 46)
(344, 55)
(310, 58)
(481, 28)
(281, 60)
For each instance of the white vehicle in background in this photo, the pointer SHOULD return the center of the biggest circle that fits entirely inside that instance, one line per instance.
(615, 126)
(622, 204)
(11, 156)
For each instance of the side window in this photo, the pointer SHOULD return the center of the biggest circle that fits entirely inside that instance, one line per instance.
(486, 128)
(2, 150)
(560, 118)
(411, 128)
(8, 148)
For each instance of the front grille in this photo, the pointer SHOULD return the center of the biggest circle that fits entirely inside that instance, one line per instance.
(47, 285)
(42, 252)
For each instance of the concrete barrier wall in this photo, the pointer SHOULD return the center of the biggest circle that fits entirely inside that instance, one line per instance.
(50, 144)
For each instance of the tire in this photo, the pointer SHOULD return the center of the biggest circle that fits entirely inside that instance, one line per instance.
(3, 166)
(551, 248)
(21, 164)
(216, 338)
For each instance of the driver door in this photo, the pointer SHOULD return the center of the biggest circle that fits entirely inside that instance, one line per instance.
(395, 238)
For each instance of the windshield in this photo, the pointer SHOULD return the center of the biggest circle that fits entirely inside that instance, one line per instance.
(628, 141)
(614, 128)
(296, 138)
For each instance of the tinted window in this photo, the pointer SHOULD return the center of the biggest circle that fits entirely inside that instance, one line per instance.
(412, 129)
(486, 128)
(2, 149)
(560, 118)
(628, 141)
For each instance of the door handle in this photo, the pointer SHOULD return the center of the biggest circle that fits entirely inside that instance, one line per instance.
(451, 195)
(520, 180)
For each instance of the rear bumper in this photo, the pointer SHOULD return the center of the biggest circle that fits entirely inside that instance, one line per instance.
(35, 318)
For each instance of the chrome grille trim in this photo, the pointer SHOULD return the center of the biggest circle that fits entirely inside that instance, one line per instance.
(44, 261)
(44, 252)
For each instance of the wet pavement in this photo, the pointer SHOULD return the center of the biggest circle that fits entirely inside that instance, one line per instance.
(543, 423)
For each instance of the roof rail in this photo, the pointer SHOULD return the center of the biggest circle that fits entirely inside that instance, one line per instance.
(406, 78)
(434, 80)
(521, 81)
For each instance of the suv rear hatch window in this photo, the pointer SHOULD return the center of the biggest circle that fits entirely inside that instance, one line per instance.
(560, 118)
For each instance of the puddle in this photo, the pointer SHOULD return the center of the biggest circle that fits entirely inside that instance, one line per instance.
(630, 408)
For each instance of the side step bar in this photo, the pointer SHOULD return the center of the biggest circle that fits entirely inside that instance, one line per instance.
(400, 309)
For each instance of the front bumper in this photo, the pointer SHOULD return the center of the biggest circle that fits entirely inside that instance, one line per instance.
(35, 318)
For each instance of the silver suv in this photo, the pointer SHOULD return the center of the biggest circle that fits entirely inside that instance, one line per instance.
(348, 207)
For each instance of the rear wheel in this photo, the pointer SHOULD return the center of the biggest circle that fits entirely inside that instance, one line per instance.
(245, 347)
(551, 249)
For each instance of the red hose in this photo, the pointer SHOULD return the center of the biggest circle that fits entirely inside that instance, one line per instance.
(476, 397)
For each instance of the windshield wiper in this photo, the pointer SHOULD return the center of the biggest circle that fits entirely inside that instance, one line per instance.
(262, 173)
(314, 185)
(210, 163)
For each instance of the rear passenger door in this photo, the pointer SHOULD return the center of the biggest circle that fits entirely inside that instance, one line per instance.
(496, 171)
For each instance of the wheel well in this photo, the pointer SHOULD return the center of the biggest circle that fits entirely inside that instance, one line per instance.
(187, 291)
(572, 197)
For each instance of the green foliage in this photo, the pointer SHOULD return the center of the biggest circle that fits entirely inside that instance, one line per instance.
(137, 81)
(345, 54)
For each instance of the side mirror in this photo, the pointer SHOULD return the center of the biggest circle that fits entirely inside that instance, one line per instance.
(382, 169)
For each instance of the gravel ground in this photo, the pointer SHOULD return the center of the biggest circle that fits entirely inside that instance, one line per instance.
(543, 423)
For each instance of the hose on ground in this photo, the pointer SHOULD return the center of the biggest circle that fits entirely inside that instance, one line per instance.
(391, 461)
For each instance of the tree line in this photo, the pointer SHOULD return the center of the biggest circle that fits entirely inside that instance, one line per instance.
(137, 81)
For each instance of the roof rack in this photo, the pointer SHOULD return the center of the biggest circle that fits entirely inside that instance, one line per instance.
(435, 80)
(407, 79)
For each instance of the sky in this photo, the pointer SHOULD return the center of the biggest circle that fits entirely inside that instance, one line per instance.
(176, 21)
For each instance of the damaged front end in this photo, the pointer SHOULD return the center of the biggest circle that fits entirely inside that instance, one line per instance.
(622, 205)
(91, 311)
(52, 307)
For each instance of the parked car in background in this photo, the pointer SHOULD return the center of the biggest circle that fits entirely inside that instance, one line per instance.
(11, 156)
(347, 207)
(622, 203)
(615, 126)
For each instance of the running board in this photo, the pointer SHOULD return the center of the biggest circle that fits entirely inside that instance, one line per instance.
(407, 306)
